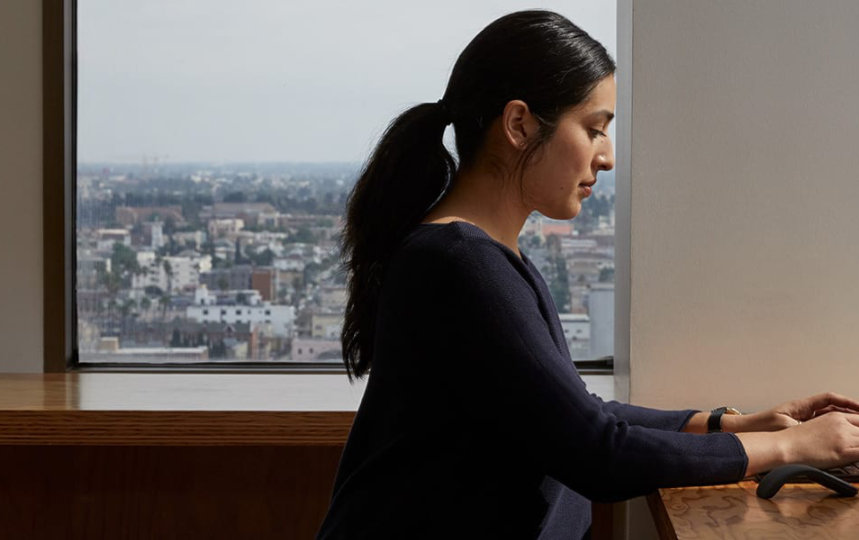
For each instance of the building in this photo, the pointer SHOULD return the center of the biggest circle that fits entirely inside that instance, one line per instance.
(288, 280)
(294, 262)
(106, 238)
(109, 351)
(574, 244)
(326, 325)
(577, 332)
(250, 309)
(128, 216)
(153, 234)
(601, 312)
(177, 273)
(224, 249)
(264, 280)
(203, 296)
(227, 227)
(90, 267)
(193, 239)
(317, 350)
(220, 338)
(233, 278)
(333, 297)
(558, 228)
(247, 212)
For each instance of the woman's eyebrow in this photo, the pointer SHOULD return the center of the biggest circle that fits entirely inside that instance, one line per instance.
(608, 115)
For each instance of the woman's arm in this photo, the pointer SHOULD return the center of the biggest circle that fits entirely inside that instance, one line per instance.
(819, 430)
(518, 385)
(785, 415)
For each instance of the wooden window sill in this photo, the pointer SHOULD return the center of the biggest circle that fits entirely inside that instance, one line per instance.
(118, 409)
(135, 409)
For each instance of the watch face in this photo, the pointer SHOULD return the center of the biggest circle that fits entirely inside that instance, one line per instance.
(731, 410)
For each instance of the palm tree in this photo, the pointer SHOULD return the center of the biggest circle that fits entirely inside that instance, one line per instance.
(168, 269)
(164, 303)
(126, 310)
(112, 281)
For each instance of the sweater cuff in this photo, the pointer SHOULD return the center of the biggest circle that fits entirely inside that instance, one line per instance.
(636, 415)
(689, 414)
(742, 450)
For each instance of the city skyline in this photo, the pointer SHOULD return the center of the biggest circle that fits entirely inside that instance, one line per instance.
(200, 264)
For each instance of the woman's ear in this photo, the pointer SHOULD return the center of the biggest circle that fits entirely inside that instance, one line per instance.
(518, 124)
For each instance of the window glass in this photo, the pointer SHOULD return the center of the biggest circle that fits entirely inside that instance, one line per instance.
(217, 142)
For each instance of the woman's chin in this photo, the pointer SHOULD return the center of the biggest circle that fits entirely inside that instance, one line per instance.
(565, 213)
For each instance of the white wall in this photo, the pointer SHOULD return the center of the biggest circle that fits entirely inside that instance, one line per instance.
(739, 177)
(744, 196)
(21, 186)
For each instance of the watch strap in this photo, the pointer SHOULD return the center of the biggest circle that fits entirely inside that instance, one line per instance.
(714, 421)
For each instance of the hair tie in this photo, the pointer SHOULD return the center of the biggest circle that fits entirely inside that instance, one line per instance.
(445, 110)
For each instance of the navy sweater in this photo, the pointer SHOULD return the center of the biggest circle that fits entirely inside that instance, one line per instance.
(475, 423)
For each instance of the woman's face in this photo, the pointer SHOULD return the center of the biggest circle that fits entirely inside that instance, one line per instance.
(562, 172)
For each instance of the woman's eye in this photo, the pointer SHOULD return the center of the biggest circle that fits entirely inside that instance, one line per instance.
(594, 133)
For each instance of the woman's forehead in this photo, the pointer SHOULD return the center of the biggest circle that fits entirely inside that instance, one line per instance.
(600, 102)
(603, 94)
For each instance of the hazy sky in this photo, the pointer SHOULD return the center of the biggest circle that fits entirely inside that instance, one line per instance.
(272, 80)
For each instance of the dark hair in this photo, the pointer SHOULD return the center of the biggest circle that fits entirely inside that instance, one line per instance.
(536, 56)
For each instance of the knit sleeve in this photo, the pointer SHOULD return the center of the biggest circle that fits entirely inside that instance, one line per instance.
(648, 417)
(518, 383)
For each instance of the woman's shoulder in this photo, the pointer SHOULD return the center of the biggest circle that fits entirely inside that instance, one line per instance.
(455, 238)
(460, 263)
(457, 248)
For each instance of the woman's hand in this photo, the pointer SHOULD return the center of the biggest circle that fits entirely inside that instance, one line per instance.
(828, 440)
(790, 414)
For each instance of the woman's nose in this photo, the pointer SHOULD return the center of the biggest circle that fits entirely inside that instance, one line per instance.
(605, 159)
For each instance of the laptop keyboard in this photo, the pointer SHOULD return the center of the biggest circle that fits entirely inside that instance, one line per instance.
(849, 473)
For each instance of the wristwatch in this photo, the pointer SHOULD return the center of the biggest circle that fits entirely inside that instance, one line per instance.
(714, 422)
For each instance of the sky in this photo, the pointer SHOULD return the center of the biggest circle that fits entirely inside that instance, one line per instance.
(272, 80)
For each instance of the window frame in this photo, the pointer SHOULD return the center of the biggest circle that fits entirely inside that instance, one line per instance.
(59, 146)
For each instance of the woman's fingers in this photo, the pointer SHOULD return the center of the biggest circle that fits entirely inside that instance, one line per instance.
(833, 408)
(821, 401)
(816, 405)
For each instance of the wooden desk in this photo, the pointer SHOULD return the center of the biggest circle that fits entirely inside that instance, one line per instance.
(798, 511)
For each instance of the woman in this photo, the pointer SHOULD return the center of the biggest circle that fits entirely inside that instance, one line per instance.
(474, 422)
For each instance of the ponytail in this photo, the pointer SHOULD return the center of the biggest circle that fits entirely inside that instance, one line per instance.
(406, 175)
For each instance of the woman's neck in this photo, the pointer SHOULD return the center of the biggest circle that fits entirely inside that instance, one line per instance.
(486, 201)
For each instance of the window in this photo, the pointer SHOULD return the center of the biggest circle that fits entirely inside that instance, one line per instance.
(213, 164)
